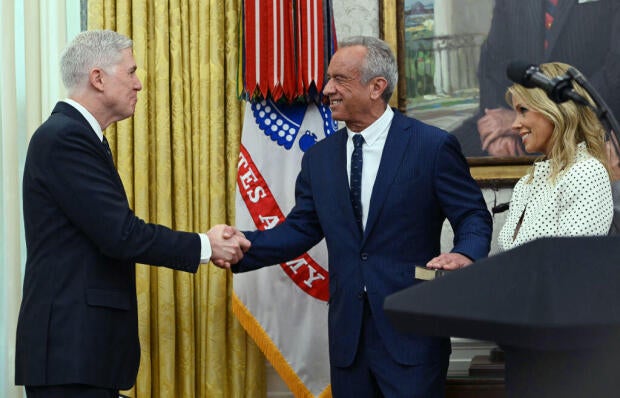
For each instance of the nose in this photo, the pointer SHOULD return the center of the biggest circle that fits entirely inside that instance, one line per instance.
(137, 84)
(516, 124)
(328, 88)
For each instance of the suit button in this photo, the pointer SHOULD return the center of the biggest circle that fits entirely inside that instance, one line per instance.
(364, 256)
(361, 296)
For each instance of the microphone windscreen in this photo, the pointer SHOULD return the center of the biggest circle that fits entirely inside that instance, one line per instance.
(517, 71)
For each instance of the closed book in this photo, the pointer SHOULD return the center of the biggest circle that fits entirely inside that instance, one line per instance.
(428, 274)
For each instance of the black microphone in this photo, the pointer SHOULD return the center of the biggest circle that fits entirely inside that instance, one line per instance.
(559, 89)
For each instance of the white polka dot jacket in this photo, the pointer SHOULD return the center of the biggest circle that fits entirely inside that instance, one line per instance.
(579, 203)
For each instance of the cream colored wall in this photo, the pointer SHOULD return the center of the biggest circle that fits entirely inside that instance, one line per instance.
(356, 17)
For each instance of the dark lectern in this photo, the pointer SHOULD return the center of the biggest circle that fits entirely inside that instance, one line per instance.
(553, 306)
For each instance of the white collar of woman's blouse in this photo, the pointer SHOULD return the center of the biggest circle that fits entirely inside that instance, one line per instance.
(542, 168)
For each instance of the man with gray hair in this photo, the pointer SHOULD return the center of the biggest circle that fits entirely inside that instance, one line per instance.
(378, 191)
(77, 333)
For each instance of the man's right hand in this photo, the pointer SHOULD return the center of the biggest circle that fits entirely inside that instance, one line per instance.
(507, 145)
(227, 245)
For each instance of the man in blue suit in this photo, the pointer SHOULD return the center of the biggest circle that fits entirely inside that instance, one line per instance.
(413, 176)
(77, 333)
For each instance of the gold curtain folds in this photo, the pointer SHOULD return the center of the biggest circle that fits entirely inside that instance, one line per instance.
(178, 159)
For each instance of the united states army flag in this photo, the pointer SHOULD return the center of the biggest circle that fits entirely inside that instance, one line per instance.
(284, 306)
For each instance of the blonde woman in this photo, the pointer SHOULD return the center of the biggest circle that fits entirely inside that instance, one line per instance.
(568, 191)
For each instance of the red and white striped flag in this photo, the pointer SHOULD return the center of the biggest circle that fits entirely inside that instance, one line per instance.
(286, 48)
(283, 307)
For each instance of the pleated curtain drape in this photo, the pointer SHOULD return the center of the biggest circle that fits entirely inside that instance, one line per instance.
(178, 159)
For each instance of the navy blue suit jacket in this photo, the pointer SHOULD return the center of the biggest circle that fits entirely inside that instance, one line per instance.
(78, 322)
(422, 179)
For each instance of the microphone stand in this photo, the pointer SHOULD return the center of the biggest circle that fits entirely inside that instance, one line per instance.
(610, 123)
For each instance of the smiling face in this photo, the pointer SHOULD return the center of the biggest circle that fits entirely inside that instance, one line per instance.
(534, 128)
(350, 100)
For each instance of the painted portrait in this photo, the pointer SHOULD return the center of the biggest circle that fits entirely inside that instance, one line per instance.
(453, 56)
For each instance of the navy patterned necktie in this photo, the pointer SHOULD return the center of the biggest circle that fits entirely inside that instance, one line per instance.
(106, 146)
(356, 178)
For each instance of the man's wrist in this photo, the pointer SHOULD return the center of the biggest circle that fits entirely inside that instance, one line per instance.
(205, 249)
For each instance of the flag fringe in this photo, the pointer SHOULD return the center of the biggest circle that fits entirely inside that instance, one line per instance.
(285, 49)
(271, 351)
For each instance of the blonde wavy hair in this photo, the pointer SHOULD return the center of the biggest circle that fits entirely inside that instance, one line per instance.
(572, 123)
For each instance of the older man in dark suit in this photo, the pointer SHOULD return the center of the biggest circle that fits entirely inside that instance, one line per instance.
(378, 191)
(77, 333)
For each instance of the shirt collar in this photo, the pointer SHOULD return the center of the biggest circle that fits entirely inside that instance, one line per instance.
(87, 115)
(375, 130)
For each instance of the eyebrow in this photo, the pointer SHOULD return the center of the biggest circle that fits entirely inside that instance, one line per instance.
(340, 76)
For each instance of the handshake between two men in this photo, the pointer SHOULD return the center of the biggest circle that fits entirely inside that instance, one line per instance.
(227, 245)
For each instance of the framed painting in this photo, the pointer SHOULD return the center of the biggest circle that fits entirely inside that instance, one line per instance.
(438, 45)
(453, 56)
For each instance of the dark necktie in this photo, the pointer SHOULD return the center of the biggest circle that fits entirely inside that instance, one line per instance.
(106, 146)
(356, 178)
(551, 7)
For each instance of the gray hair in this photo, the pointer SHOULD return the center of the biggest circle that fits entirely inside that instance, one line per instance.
(90, 49)
(380, 61)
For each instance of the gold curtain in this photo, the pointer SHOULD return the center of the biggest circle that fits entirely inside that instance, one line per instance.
(178, 159)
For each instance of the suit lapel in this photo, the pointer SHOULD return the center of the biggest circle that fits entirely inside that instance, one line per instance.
(564, 9)
(396, 144)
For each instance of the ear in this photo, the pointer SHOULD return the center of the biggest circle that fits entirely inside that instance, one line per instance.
(377, 87)
(95, 77)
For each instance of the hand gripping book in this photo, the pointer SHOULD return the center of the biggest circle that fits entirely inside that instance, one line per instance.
(428, 274)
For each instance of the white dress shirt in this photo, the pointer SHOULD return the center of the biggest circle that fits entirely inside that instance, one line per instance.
(579, 203)
(374, 137)
(205, 244)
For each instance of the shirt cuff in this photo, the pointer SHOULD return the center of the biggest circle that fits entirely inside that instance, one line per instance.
(205, 249)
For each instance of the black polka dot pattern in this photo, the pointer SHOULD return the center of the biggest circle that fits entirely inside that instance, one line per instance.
(579, 203)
